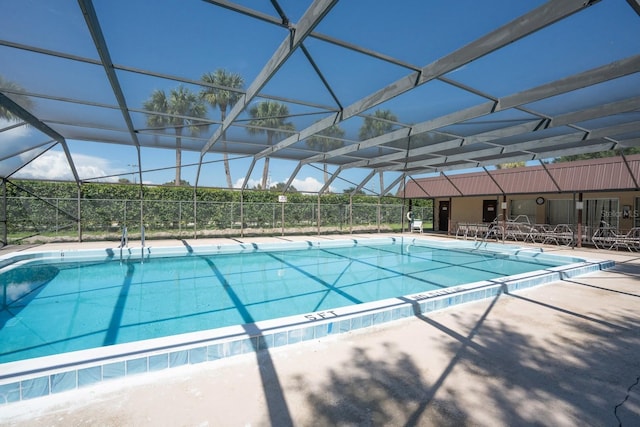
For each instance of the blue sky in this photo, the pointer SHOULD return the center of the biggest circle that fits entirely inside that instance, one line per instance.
(186, 39)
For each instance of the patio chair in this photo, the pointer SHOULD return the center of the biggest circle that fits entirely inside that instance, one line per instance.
(482, 231)
(495, 231)
(562, 234)
(462, 230)
(630, 241)
(634, 238)
(517, 231)
(539, 232)
(604, 236)
(416, 225)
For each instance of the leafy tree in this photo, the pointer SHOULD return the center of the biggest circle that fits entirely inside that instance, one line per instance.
(181, 109)
(351, 189)
(183, 183)
(23, 100)
(269, 117)
(280, 188)
(222, 98)
(379, 124)
(510, 165)
(327, 140)
(596, 155)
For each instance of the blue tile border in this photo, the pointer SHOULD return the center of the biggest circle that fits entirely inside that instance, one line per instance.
(113, 370)
(137, 366)
(33, 385)
(88, 376)
(158, 362)
(64, 381)
(9, 393)
(178, 358)
(37, 387)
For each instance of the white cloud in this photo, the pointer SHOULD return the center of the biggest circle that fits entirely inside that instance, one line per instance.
(12, 136)
(308, 184)
(53, 165)
(252, 183)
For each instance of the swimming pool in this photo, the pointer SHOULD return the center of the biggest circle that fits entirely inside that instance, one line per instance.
(74, 318)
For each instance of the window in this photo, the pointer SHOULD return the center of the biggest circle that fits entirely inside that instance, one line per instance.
(523, 208)
(602, 210)
(560, 211)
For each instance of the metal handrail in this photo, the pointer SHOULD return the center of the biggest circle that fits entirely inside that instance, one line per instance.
(124, 240)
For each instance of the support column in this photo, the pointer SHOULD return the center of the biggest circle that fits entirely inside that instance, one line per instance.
(350, 213)
(504, 206)
(378, 214)
(195, 213)
(79, 214)
(282, 217)
(318, 214)
(449, 217)
(141, 218)
(580, 207)
(504, 217)
(3, 214)
(242, 212)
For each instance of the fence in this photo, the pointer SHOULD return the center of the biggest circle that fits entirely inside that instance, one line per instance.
(32, 219)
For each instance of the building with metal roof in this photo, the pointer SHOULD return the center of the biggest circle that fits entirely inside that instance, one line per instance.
(611, 174)
(585, 195)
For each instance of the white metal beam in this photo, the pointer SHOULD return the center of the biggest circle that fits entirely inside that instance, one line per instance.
(526, 24)
(311, 18)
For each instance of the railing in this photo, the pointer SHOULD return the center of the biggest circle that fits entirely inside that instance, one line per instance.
(124, 239)
(473, 231)
(602, 237)
(607, 237)
(560, 234)
(31, 220)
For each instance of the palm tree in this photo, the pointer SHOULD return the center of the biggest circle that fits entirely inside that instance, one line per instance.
(351, 190)
(279, 187)
(23, 100)
(222, 98)
(379, 124)
(182, 109)
(269, 117)
(327, 140)
(597, 155)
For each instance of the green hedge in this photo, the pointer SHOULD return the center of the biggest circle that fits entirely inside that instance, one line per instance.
(41, 208)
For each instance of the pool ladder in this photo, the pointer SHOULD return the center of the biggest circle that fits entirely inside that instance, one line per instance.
(124, 240)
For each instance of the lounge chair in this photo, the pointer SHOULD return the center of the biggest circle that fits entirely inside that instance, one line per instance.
(562, 234)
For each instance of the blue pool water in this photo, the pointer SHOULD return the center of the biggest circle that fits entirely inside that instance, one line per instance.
(55, 306)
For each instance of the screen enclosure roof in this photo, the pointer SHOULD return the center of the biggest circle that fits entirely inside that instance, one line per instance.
(338, 92)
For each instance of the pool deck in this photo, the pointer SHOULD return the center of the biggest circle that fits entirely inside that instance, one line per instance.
(562, 354)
